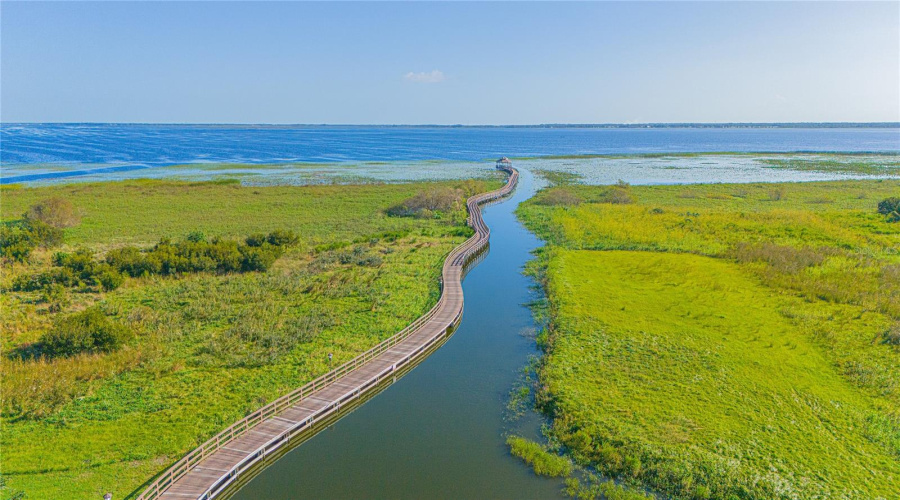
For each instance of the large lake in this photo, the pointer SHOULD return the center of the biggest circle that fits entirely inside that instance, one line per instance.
(35, 152)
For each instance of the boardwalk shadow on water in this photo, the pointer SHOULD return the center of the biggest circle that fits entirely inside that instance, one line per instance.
(438, 431)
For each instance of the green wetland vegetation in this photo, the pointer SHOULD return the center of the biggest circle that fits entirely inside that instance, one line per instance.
(142, 317)
(721, 341)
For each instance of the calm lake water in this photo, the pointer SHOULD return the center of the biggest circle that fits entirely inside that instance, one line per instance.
(439, 431)
(30, 152)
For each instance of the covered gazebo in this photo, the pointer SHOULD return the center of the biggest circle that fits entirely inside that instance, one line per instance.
(503, 163)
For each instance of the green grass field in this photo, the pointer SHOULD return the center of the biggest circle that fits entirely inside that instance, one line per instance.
(206, 348)
(724, 341)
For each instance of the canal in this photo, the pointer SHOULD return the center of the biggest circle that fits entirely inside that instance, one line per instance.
(438, 432)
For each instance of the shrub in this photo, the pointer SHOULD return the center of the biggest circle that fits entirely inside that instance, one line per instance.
(43, 234)
(16, 243)
(56, 297)
(80, 262)
(226, 255)
(196, 236)
(892, 334)
(471, 187)
(889, 205)
(559, 196)
(167, 258)
(132, 262)
(54, 212)
(108, 278)
(616, 195)
(86, 331)
(38, 281)
(19, 239)
(282, 237)
(259, 258)
(255, 240)
(543, 462)
(426, 203)
(891, 208)
(775, 194)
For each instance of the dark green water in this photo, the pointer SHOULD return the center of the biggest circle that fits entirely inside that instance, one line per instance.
(439, 431)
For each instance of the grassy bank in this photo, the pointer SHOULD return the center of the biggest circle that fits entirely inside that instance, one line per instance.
(724, 341)
(203, 348)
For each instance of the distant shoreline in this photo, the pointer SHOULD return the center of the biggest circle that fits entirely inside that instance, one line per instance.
(753, 125)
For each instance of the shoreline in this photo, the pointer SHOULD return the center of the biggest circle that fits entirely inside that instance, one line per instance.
(351, 171)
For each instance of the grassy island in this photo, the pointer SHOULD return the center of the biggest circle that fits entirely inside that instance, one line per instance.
(723, 341)
(172, 309)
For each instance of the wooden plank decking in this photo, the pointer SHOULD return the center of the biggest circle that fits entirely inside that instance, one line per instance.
(210, 468)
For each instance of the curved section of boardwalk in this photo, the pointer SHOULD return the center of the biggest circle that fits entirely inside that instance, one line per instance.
(209, 469)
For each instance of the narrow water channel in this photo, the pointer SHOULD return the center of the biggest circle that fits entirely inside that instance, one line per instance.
(439, 431)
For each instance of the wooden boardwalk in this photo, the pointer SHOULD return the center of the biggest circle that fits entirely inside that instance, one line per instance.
(209, 469)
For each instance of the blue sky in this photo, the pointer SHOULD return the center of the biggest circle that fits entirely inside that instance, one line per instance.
(449, 63)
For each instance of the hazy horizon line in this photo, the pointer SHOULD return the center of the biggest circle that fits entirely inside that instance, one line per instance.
(821, 124)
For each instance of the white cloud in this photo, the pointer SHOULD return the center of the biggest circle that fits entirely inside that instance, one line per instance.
(425, 77)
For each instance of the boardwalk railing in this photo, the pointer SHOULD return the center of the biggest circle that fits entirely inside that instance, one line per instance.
(462, 255)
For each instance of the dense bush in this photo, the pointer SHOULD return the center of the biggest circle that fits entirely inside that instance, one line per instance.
(259, 258)
(74, 269)
(471, 187)
(19, 239)
(39, 281)
(559, 196)
(255, 240)
(80, 262)
(54, 212)
(281, 237)
(426, 203)
(79, 268)
(257, 253)
(43, 234)
(86, 331)
(891, 208)
(132, 261)
(107, 277)
(618, 194)
(196, 236)
(278, 237)
(56, 297)
(15, 243)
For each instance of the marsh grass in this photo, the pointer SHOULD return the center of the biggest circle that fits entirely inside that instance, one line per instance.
(593, 488)
(206, 347)
(559, 196)
(542, 461)
(558, 178)
(875, 164)
(699, 337)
